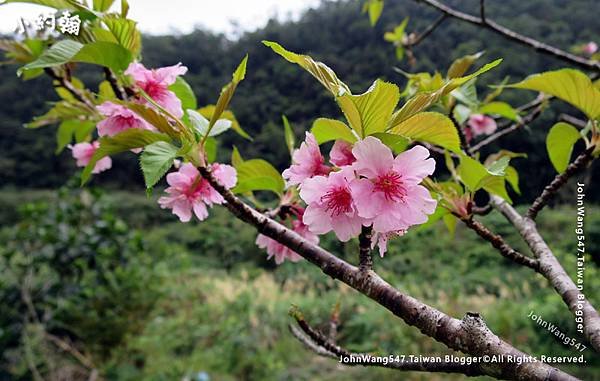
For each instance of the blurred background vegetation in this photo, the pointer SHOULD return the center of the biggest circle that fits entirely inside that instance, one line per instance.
(102, 280)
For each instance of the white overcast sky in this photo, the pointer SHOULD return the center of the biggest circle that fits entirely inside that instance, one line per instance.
(167, 16)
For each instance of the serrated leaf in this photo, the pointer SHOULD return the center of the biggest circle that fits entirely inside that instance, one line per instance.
(124, 141)
(101, 53)
(288, 132)
(370, 112)
(125, 32)
(570, 85)
(258, 174)
(502, 109)
(326, 130)
(422, 101)
(156, 160)
(559, 144)
(460, 66)
(431, 127)
(319, 70)
(184, 92)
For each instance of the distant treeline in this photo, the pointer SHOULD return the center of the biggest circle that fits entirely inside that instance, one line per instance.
(336, 33)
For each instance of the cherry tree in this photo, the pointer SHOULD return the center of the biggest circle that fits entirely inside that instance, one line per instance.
(376, 183)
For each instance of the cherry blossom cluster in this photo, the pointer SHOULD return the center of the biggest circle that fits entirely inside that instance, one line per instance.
(365, 186)
(118, 118)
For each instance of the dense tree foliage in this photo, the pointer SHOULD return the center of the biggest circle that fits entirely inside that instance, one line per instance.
(346, 42)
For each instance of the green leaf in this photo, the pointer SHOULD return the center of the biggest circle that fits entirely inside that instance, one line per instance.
(102, 5)
(105, 91)
(397, 34)
(498, 167)
(156, 119)
(512, 177)
(460, 66)
(258, 174)
(156, 160)
(228, 91)
(570, 85)
(318, 69)
(61, 111)
(450, 222)
(125, 32)
(559, 143)
(72, 128)
(374, 8)
(101, 53)
(326, 130)
(201, 124)
(422, 101)
(124, 141)
(502, 109)
(236, 157)
(431, 127)
(184, 92)
(208, 111)
(396, 143)
(476, 176)
(210, 148)
(370, 112)
(290, 139)
(467, 94)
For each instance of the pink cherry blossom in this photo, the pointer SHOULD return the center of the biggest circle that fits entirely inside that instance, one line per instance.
(481, 125)
(590, 48)
(307, 162)
(156, 82)
(118, 119)
(188, 191)
(83, 153)
(330, 205)
(341, 153)
(388, 191)
(281, 252)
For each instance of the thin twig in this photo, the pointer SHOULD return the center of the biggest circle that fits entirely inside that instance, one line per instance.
(481, 210)
(423, 35)
(114, 84)
(66, 84)
(327, 348)
(572, 120)
(364, 254)
(482, 11)
(514, 36)
(498, 242)
(550, 190)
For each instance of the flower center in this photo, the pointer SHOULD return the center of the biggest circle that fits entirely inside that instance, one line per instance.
(153, 89)
(391, 186)
(338, 200)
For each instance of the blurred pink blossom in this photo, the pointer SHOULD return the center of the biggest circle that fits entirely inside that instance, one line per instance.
(83, 153)
(481, 125)
(590, 48)
(281, 252)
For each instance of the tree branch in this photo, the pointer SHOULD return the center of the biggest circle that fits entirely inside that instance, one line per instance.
(552, 270)
(319, 343)
(423, 35)
(514, 36)
(466, 335)
(114, 84)
(364, 240)
(550, 190)
(572, 120)
(67, 85)
(499, 243)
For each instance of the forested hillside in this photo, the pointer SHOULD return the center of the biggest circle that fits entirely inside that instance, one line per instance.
(345, 41)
